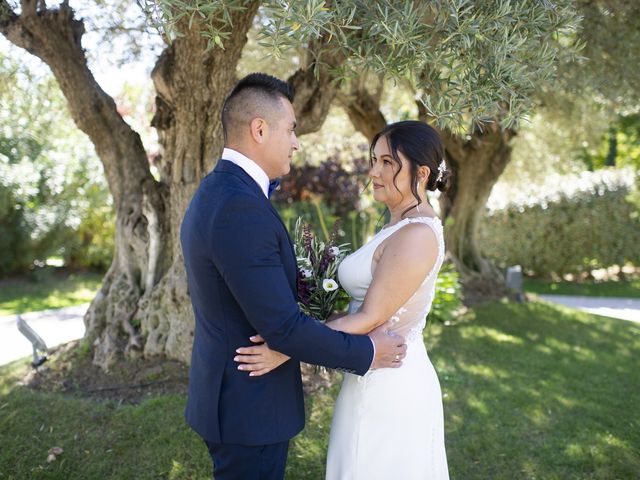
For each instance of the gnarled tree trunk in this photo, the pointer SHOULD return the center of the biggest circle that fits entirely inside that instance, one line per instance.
(143, 306)
(477, 163)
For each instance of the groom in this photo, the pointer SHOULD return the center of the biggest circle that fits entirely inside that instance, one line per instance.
(241, 271)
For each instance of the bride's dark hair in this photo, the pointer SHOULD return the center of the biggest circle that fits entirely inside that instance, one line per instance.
(421, 145)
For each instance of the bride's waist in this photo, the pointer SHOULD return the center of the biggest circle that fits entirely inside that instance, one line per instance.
(409, 328)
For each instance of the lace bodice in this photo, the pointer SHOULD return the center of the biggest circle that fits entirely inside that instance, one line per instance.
(355, 274)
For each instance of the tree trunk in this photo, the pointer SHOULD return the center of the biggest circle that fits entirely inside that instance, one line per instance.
(476, 164)
(143, 306)
(363, 109)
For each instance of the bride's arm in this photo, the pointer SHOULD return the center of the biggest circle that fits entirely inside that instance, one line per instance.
(404, 263)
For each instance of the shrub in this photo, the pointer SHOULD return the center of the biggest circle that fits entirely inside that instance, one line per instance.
(339, 182)
(54, 199)
(586, 222)
(331, 191)
(448, 297)
(15, 242)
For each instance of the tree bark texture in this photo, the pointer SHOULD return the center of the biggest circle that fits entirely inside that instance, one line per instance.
(476, 162)
(143, 308)
(363, 109)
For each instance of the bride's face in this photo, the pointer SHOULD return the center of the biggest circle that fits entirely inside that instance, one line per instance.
(383, 169)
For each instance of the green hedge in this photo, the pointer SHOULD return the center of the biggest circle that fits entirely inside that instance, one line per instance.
(595, 226)
(15, 242)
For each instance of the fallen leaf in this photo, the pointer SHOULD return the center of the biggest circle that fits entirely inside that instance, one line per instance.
(53, 453)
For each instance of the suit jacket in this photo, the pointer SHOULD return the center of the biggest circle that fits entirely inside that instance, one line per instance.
(241, 272)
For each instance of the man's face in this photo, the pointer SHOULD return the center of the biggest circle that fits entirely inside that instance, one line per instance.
(281, 141)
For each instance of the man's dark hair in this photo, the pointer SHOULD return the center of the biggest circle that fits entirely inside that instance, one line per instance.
(256, 95)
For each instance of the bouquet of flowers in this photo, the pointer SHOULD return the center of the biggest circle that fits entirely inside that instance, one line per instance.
(318, 288)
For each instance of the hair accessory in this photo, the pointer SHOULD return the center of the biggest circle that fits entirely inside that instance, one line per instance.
(441, 169)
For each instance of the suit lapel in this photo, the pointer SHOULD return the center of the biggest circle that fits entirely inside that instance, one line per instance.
(230, 167)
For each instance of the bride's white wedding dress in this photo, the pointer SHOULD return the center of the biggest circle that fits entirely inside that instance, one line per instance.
(389, 423)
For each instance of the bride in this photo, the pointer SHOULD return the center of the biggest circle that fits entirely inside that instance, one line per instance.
(389, 423)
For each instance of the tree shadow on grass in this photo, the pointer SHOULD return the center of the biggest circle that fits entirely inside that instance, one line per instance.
(541, 391)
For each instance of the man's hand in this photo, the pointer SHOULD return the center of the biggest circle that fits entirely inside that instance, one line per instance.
(390, 348)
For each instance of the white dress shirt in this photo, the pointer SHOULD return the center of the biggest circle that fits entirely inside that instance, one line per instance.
(249, 166)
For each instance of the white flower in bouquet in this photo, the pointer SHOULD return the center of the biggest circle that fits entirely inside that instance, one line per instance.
(329, 285)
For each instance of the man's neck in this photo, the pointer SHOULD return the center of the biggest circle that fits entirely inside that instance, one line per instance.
(250, 167)
(250, 154)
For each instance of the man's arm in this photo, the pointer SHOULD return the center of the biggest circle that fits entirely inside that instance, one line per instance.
(246, 250)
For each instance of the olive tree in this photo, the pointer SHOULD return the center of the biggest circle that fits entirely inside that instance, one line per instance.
(474, 65)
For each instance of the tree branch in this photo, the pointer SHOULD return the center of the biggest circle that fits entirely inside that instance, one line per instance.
(7, 17)
(315, 85)
(54, 36)
(363, 109)
(29, 7)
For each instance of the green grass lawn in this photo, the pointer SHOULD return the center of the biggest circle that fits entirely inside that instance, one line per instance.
(532, 391)
(49, 289)
(629, 289)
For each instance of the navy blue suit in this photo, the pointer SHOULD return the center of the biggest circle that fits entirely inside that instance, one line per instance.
(241, 271)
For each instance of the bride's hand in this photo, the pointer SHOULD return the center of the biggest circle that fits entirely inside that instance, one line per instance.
(259, 359)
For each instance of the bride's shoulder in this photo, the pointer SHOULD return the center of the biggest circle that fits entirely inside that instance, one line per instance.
(416, 236)
(413, 249)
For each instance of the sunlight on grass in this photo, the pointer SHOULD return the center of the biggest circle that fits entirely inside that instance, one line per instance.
(543, 349)
(478, 405)
(481, 370)
(560, 377)
(11, 373)
(565, 401)
(501, 337)
(574, 451)
(539, 416)
(52, 291)
(177, 470)
(558, 345)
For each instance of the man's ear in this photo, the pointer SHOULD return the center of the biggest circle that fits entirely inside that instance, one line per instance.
(259, 129)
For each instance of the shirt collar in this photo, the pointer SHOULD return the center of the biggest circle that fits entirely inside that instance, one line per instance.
(250, 167)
